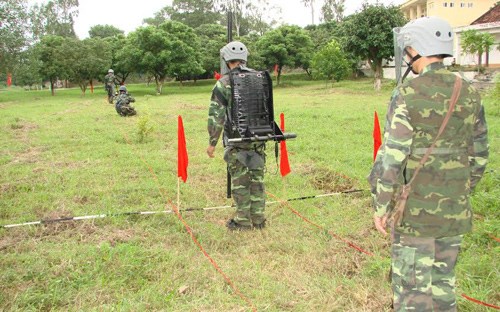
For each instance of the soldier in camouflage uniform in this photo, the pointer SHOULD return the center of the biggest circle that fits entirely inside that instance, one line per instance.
(109, 84)
(246, 161)
(438, 212)
(123, 101)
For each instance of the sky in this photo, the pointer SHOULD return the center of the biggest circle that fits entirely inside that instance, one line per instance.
(128, 15)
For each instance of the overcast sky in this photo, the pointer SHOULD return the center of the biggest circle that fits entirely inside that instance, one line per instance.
(128, 15)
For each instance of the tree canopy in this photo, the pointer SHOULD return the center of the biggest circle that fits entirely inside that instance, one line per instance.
(475, 42)
(105, 31)
(286, 46)
(368, 35)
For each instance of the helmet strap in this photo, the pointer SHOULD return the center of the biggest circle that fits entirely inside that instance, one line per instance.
(410, 64)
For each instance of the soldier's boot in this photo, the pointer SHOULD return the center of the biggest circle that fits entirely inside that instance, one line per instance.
(260, 226)
(233, 226)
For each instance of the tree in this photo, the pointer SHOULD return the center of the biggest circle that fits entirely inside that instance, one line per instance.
(27, 71)
(90, 56)
(368, 35)
(189, 12)
(105, 31)
(286, 46)
(475, 42)
(53, 62)
(171, 49)
(333, 10)
(213, 37)
(13, 37)
(56, 17)
(123, 57)
(330, 62)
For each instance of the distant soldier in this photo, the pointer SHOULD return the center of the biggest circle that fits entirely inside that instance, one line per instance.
(245, 160)
(123, 101)
(109, 84)
(439, 154)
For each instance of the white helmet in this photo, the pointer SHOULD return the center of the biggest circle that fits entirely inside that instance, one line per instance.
(429, 36)
(110, 71)
(233, 51)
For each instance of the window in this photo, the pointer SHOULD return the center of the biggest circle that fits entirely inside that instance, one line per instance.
(470, 5)
(445, 4)
(462, 4)
(451, 4)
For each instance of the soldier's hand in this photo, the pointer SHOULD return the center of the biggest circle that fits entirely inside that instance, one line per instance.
(380, 223)
(210, 151)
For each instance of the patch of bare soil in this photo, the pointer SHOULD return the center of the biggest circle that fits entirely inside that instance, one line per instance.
(327, 180)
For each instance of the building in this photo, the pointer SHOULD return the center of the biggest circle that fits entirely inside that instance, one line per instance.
(457, 12)
(482, 15)
(489, 22)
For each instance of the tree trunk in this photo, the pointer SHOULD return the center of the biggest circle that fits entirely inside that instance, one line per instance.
(487, 57)
(159, 84)
(52, 87)
(83, 86)
(377, 83)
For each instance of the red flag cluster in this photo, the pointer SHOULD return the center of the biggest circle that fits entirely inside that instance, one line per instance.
(182, 155)
(276, 69)
(284, 163)
(9, 79)
(377, 137)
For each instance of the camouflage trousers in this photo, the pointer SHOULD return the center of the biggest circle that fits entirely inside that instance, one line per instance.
(423, 276)
(246, 168)
(125, 110)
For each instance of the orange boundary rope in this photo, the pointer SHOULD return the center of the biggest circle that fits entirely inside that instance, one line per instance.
(480, 302)
(350, 244)
(163, 193)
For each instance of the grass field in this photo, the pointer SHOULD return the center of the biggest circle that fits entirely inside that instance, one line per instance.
(72, 155)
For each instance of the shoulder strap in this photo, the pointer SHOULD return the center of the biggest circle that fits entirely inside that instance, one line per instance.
(453, 101)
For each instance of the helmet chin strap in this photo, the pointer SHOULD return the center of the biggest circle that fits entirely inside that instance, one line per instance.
(410, 64)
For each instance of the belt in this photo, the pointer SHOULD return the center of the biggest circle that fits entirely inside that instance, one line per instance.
(439, 151)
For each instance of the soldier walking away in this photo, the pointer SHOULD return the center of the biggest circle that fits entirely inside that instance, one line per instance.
(230, 108)
(434, 153)
(109, 84)
(123, 101)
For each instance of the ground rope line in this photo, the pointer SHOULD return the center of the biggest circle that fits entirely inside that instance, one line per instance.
(350, 244)
(164, 194)
(129, 213)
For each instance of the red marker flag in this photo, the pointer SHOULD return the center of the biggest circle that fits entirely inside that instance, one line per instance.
(182, 156)
(377, 137)
(216, 75)
(9, 79)
(284, 164)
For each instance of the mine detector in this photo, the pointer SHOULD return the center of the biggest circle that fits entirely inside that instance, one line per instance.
(252, 112)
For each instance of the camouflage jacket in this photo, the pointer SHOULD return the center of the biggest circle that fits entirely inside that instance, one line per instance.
(124, 99)
(218, 120)
(438, 204)
(110, 79)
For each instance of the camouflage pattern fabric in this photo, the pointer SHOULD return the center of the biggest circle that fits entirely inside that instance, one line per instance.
(246, 161)
(423, 277)
(247, 184)
(109, 83)
(438, 204)
(122, 105)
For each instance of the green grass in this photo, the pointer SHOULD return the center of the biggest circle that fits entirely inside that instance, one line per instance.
(72, 155)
